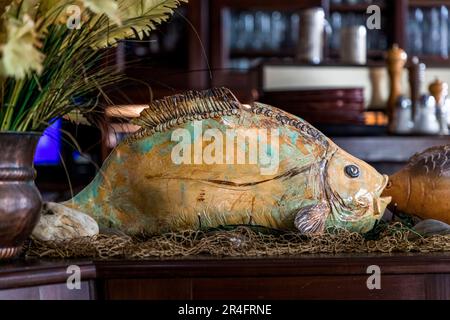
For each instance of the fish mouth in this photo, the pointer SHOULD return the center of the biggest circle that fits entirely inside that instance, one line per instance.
(383, 184)
(380, 203)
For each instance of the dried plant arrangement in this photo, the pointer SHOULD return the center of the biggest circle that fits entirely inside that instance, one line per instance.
(51, 53)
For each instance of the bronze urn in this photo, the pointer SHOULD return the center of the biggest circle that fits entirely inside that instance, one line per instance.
(20, 200)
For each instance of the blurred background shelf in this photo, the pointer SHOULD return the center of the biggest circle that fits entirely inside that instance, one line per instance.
(200, 47)
(226, 39)
(428, 3)
(357, 7)
(262, 53)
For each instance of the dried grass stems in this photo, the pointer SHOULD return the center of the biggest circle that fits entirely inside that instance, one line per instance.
(241, 241)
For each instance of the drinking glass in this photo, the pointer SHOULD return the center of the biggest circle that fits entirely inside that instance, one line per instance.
(415, 24)
(443, 45)
(336, 25)
(294, 23)
(248, 30)
(278, 30)
(262, 31)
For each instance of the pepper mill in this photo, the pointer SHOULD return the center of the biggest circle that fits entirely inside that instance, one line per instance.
(396, 59)
(416, 81)
(439, 90)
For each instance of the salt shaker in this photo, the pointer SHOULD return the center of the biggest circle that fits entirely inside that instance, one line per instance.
(416, 80)
(426, 121)
(439, 90)
(447, 108)
(402, 122)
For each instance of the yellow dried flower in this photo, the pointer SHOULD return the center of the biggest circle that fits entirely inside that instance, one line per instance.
(107, 7)
(20, 53)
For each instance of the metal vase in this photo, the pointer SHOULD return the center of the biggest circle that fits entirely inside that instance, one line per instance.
(20, 200)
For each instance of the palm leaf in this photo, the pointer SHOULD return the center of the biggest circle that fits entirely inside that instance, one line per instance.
(137, 17)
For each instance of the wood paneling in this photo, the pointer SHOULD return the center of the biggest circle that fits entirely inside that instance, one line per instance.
(148, 289)
(310, 288)
(341, 277)
(279, 288)
(50, 292)
(37, 273)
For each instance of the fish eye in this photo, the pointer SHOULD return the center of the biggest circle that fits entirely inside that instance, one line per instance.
(352, 171)
(389, 185)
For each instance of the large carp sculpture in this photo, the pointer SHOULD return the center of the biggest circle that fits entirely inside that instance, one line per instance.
(194, 164)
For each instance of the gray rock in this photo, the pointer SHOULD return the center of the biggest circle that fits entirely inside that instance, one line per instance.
(59, 222)
(431, 227)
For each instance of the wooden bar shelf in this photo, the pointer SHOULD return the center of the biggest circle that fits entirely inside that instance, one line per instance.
(342, 276)
(360, 7)
(428, 3)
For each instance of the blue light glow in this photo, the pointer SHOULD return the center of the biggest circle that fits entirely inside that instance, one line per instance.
(47, 152)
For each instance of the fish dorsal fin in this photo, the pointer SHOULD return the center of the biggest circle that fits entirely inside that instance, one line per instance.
(192, 105)
(435, 159)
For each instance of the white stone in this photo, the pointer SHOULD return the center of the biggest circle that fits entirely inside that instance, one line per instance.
(58, 222)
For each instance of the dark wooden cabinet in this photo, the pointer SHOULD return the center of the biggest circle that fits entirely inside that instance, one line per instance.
(170, 59)
(45, 280)
(57, 291)
(244, 80)
(204, 53)
(341, 277)
(202, 59)
(407, 11)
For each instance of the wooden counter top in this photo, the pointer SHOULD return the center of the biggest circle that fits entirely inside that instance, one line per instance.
(403, 276)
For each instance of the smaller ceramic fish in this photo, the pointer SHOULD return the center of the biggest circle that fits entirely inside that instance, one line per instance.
(422, 188)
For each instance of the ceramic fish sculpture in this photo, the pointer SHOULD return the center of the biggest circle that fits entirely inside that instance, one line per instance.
(422, 188)
(203, 159)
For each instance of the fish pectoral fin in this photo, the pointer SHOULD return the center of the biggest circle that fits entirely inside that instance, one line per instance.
(311, 219)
